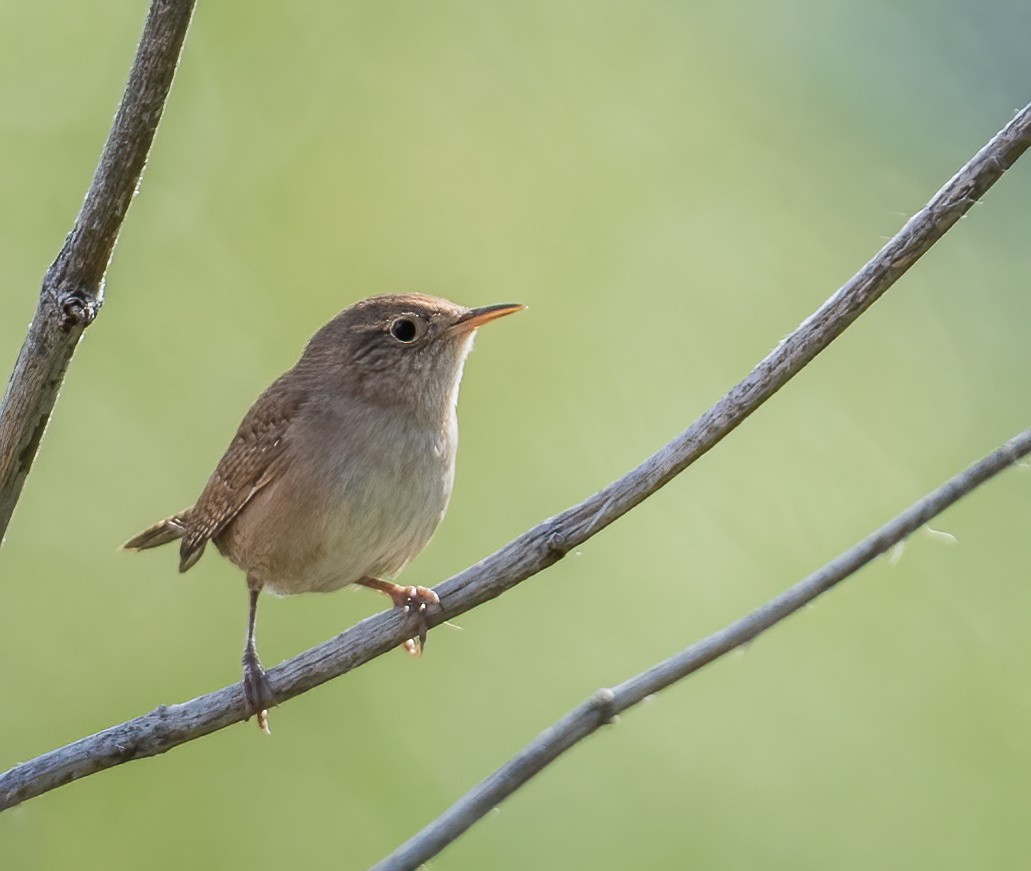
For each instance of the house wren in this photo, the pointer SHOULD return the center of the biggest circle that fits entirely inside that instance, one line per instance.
(342, 469)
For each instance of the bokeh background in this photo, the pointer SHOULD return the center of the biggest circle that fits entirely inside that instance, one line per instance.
(671, 187)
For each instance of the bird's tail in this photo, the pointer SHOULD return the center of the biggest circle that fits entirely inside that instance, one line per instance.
(162, 532)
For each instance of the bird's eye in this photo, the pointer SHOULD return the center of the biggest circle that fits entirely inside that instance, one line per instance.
(405, 330)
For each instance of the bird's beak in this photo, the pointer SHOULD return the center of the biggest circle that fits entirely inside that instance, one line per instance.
(477, 317)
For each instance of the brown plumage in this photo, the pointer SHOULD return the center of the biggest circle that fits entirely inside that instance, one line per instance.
(248, 464)
(342, 468)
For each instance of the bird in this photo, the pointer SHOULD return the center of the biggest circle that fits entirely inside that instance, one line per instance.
(343, 467)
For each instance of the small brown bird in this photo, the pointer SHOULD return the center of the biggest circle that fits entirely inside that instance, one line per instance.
(343, 468)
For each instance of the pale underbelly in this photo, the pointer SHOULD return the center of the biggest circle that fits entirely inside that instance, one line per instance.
(334, 533)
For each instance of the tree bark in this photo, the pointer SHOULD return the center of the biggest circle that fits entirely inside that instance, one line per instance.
(73, 287)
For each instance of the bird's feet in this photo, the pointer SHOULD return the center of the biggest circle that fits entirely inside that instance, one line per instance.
(257, 689)
(415, 603)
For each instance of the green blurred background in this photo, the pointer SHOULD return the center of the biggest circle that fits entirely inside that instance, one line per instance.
(671, 187)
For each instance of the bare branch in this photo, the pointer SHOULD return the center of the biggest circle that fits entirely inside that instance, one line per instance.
(73, 287)
(546, 543)
(606, 703)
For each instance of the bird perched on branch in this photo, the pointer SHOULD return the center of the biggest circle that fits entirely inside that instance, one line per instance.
(343, 468)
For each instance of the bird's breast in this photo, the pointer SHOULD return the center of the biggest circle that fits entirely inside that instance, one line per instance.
(360, 496)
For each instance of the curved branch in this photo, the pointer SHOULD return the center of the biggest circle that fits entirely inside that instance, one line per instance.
(73, 287)
(546, 543)
(606, 703)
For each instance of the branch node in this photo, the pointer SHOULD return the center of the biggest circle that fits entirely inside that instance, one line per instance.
(604, 702)
(78, 307)
(557, 545)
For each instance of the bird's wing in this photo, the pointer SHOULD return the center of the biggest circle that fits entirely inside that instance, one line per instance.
(252, 460)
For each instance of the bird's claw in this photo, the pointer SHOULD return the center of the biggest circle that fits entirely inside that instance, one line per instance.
(257, 690)
(415, 604)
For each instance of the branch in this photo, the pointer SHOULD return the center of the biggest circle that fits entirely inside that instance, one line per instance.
(605, 704)
(169, 726)
(73, 287)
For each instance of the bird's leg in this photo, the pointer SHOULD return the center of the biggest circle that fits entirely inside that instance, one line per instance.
(256, 688)
(415, 601)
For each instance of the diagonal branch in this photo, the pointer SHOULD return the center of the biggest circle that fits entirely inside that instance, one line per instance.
(546, 543)
(606, 703)
(73, 287)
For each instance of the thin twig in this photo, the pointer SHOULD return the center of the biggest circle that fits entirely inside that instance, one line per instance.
(606, 703)
(73, 287)
(546, 543)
